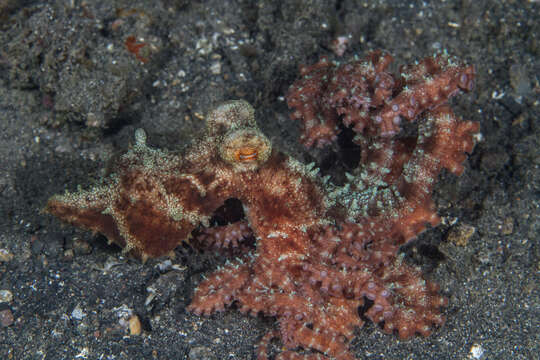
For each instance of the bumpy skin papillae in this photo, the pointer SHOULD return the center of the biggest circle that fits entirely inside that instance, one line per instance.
(364, 95)
(155, 199)
(321, 249)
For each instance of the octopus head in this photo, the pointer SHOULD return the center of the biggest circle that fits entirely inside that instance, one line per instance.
(246, 149)
(240, 142)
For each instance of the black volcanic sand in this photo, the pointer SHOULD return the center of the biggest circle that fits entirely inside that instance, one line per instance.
(72, 93)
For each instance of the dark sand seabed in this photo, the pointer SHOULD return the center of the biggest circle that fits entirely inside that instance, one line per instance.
(74, 86)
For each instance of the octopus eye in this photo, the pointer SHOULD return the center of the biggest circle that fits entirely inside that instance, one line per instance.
(247, 154)
(245, 149)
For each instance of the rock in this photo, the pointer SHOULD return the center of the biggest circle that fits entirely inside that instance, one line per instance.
(201, 353)
(6, 318)
(6, 296)
(5, 255)
(134, 325)
(69, 254)
(459, 235)
(78, 313)
(164, 266)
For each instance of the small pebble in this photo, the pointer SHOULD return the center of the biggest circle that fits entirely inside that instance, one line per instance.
(5, 255)
(77, 313)
(476, 352)
(6, 318)
(134, 325)
(459, 235)
(6, 296)
(201, 353)
(215, 68)
(69, 254)
(164, 266)
(520, 80)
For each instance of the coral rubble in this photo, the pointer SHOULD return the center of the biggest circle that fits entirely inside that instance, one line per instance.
(322, 250)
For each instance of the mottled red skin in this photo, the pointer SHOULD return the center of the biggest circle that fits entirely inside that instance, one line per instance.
(363, 95)
(321, 250)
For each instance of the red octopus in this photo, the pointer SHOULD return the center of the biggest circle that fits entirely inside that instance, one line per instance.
(321, 250)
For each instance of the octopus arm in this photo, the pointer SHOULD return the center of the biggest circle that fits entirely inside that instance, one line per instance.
(220, 289)
(399, 184)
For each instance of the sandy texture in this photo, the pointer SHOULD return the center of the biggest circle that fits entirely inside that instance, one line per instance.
(77, 78)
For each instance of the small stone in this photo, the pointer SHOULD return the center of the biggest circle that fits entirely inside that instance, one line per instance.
(6, 296)
(339, 45)
(94, 120)
(6, 318)
(164, 266)
(201, 353)
(459, 235)
(134, 325)
(78, 313)
(5, 255)
(520, 80)
(69, 254)
(215, 68)
(476, 352)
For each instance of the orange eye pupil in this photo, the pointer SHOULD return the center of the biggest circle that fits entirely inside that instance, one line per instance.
(246, 154)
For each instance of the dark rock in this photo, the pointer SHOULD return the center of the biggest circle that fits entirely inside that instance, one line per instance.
(6, 318)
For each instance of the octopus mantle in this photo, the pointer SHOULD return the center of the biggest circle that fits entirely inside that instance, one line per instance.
(322, 250)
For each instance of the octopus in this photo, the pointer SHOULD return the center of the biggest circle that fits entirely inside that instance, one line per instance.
(322, 250)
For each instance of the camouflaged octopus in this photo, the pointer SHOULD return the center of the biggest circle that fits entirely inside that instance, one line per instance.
(321, 251)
